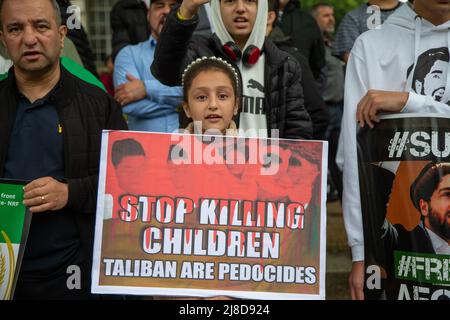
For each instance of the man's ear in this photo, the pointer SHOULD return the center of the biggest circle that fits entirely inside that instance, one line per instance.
(186, 110)
(62, 33)
(418, 86)
(271, 16)
(423, 205)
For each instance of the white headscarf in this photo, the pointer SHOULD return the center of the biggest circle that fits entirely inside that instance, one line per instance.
(259, 29)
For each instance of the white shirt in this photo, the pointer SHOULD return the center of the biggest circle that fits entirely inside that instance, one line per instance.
(440, 246)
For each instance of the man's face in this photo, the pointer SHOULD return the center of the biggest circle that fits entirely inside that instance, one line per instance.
(157, 13)
(31, 35)
(437, 6)
(239, 18)
(438, 217)
(434, 82)
(325, 19)
(435, 11)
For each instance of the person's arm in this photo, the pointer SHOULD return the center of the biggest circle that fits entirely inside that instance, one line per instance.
(83, 191)
(77, 194)
(378, 101)
(150, 98)
(317, 59)
(355, 89)
(314, 103)
(172, 51)
(420, 103)
(346, 56)
(82, 194)
(298, 124)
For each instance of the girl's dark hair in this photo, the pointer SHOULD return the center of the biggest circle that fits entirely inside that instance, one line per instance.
(207, 64)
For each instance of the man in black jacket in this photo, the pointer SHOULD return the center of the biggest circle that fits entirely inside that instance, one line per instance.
(50, 134)
(314, 103)
(306, 36)
(129, 24)
(271, 78)
(333, 92)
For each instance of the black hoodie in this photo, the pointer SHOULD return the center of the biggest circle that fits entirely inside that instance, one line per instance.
(314, 103)
(306, 37)
(128, 24)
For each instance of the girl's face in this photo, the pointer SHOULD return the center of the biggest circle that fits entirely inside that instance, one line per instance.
(211, 100)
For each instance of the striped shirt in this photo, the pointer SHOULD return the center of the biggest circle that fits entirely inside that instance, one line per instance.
(355, 23)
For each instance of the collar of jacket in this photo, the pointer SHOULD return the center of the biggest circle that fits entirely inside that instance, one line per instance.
(10, 97)
(62, 96)
(274, 56)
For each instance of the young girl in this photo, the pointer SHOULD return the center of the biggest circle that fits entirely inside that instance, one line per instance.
(211, 88)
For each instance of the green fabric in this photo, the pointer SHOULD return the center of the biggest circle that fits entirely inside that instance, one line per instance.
(75, 69)
(12, 212)
(80, 72)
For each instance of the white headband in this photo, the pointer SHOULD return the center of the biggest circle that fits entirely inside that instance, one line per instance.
(198, 60)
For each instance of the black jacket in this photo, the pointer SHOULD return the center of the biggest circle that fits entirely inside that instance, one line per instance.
(283, 90)
(79, 39)
(314, 103)
(398, 238)
(306, 37)
(128, 24)
(84, 111)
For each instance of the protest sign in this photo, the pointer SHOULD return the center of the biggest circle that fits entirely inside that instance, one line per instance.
(404, 174)
(190, 215)
(14, 225)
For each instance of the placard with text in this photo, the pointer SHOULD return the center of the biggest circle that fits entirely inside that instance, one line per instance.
(14, 226)
(404, 174)
(204, 216)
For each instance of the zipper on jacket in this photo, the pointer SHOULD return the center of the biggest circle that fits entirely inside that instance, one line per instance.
(268, 97)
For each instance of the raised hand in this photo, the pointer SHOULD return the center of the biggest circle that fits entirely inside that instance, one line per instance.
(189, 8)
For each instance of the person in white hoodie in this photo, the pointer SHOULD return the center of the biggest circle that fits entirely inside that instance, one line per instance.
(401, 67)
